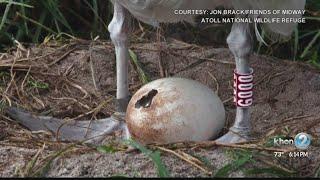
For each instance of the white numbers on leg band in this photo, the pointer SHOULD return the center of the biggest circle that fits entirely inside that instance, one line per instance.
(243, 89)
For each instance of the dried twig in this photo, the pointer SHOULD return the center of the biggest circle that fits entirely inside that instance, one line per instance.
(227, 100)
(186, 159)
(186, 56)
(210, 144)
(74, 100)
(163, 69)
(216, 81)
(62, 57)
(24, 79)
(92, 68)
(78, 87)
(272, 164)
(203, 58)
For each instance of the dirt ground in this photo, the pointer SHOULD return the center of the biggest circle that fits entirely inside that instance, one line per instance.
(77, 80)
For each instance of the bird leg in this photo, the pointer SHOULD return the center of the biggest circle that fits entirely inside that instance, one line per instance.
(119, 29)
(240, 44)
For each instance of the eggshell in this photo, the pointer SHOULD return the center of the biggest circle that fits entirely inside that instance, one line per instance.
(172, 110)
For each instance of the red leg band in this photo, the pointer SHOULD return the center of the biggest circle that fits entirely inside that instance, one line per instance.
(243, 89)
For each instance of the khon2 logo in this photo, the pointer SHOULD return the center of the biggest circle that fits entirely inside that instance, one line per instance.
(301, 141)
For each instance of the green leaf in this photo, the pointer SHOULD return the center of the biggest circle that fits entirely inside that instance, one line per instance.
(38, 85)
(15, 3)
(4, 74)
(203, 159)
(36, 23)
(42, 171)
(241, 158)
(142, 75)
(317, 175)
(296, 43)
(311, 43)
(314, 60)
(31, 164)
(154, 156)
(53, 7)
(5, 14)
(119, 176)
(39, 28)
(235, 165)
(95, 11)
(106, 149)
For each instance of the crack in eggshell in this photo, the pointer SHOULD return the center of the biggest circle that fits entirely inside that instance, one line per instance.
(146, 100)
(156, 117)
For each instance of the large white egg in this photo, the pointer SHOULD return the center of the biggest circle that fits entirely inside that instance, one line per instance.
(172, 110)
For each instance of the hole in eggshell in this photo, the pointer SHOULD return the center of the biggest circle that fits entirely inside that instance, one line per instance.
(146, 100)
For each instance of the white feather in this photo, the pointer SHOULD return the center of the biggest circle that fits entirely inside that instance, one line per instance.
(275, 31)
(156, 11)
(284, 29)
